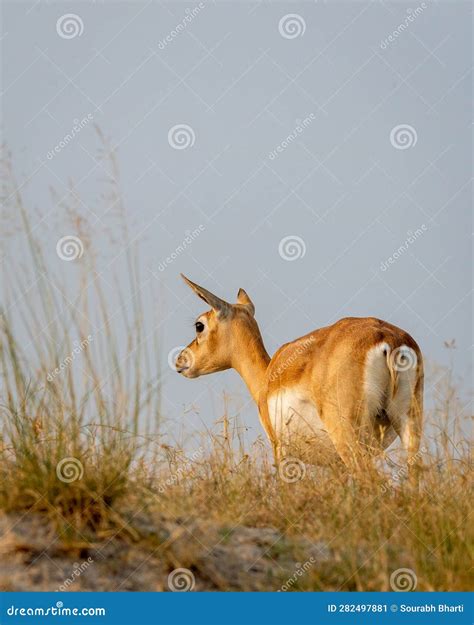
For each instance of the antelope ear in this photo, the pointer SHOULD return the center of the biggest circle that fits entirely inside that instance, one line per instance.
(244, 299)
(216, 303)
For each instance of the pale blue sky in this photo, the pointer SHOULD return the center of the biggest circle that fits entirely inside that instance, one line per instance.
(242, 84)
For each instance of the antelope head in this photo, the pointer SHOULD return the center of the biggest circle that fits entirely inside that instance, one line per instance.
(222, 334)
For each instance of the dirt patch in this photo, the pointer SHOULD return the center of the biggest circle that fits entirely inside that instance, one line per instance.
(34, 556)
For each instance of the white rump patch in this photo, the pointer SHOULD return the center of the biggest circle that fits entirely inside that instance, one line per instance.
(376, 378)
(404, 361)
(378, 384)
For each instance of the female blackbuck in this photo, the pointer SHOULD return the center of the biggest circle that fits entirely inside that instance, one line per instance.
(341, 392)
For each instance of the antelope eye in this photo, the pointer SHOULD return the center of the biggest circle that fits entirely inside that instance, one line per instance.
(199, 326)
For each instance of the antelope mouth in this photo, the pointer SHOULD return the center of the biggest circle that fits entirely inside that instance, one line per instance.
(186, 371)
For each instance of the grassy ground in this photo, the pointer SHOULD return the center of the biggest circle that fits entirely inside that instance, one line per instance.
(84, 473)
(233, 521)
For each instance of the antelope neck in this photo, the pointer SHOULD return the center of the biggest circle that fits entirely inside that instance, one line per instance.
(250, 360)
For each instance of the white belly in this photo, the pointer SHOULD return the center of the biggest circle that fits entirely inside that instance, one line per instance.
(298, 427)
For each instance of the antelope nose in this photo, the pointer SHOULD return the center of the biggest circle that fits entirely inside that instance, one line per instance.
(182, 362)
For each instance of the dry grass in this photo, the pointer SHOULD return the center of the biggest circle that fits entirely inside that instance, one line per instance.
(370, 525)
